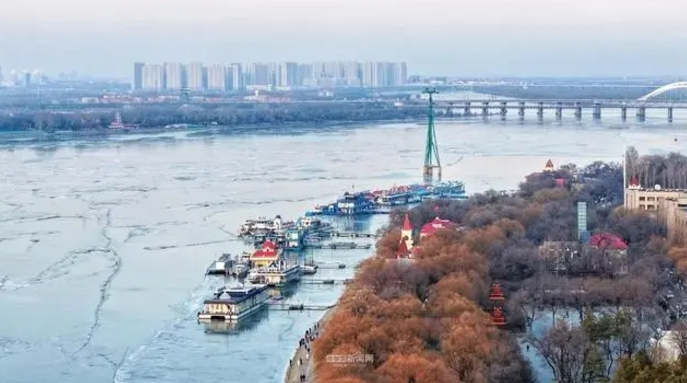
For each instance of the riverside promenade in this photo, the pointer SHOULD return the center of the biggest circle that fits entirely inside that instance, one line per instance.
(301, 365)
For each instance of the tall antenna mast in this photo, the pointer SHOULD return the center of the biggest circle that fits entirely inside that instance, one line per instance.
(431, 149)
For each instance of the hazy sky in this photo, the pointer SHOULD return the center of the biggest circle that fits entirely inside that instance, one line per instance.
(453, 37)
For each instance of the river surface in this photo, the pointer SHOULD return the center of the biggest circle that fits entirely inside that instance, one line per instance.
(104, 244)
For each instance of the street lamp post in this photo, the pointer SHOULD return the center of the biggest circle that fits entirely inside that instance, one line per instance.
(624, 168)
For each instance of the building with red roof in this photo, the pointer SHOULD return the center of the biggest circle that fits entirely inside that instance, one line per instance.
(265, 255)
(634, 183)
(607, 241)
(407, 234)
(436, 225)
(403, 251)
(406, 248)
(602, 251)
(606, 246)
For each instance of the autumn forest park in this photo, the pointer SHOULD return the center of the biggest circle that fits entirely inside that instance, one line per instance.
(513, 274)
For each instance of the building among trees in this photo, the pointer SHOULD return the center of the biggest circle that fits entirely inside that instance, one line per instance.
(604, 253)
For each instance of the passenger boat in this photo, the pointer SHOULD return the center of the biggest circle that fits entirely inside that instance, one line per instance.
(234, 303)
(264, 226)
(222, 265)
(315, 226)
(278, 273)
(240, 270)
(361, 203)
(449, 190)
(382, 201)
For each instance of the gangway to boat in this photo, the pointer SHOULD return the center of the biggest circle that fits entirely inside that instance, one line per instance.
(309, 281)
(330, 266)
(345, 234)
(339, 246)
(299, 307)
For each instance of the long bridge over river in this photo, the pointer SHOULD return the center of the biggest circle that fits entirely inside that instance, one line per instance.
(668, 98)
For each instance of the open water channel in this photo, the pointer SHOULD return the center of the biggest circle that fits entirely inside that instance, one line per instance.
(104, 244)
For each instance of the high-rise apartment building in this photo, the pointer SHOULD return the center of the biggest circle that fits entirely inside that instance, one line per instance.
(352, 74)
(237, 78)
(305, 74)
(173, 76)
(153, 77)
(318, 71)
(194, 76)
(218, 78)
(392, 75)
(138, 76)
(260, 74)
(333, 70)
(288, 74)
(403, 73)
(367, 74)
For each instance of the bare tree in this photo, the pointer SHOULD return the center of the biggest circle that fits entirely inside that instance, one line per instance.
(529, 304)
(563, 348)
(679, 337)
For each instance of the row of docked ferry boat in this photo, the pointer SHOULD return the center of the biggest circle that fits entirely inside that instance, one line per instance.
(290, 235)
(271, 266)
(382, 201)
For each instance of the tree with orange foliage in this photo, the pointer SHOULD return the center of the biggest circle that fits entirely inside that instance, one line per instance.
(485, 240)
(402, 368)
(679, 257)
(387, 246)
(468, 344)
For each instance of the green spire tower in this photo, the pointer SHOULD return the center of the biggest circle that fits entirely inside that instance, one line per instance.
(429, 175)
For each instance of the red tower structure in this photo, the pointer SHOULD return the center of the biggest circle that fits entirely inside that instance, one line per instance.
(497, 317)
(495, 294)
(496, 298)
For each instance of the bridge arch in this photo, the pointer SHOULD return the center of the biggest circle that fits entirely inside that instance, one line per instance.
(681, 85)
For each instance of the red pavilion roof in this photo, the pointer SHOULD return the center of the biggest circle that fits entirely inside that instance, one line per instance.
(437, 224)
(268, 250)
(607, 241)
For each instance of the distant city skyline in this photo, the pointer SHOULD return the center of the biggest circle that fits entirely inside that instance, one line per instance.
(436, 37)
(198, 76)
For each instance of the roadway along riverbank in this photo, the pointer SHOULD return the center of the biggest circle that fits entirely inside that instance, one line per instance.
(301, 363)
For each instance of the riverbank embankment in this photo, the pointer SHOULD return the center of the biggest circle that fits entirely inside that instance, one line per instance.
(300, 367)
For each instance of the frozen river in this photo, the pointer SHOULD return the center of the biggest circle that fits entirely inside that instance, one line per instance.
(104, 245)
